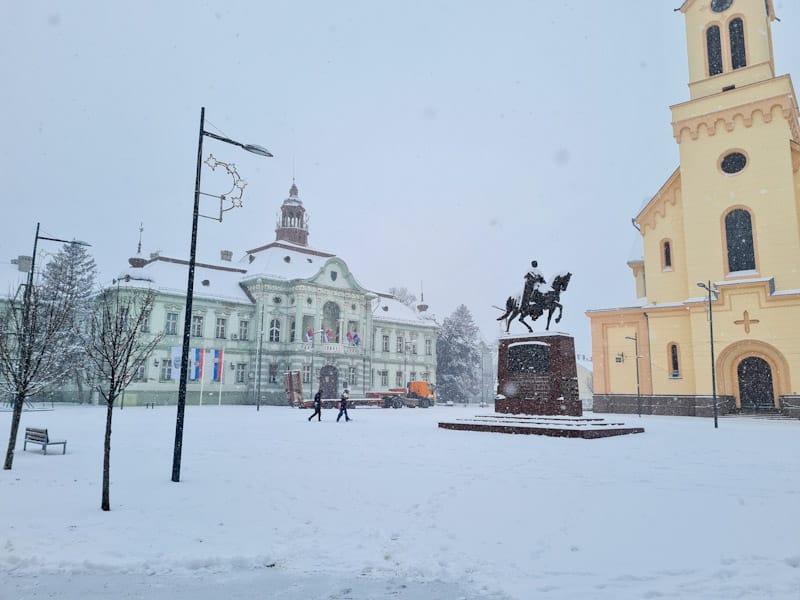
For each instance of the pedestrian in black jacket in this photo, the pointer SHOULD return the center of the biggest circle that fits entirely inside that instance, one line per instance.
(317, 406)
(343, 406)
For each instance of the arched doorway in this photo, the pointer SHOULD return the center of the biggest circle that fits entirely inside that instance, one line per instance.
(755, 384)
(329, 381)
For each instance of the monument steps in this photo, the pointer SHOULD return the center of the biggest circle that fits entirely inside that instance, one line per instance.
(574, 427)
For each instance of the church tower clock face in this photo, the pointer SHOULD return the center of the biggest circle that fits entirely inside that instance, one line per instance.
(720, 5)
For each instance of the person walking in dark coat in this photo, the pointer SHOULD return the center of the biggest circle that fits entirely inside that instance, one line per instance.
(317, 406)
(343, 405)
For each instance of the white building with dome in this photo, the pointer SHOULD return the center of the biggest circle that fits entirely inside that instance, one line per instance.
(275, 308)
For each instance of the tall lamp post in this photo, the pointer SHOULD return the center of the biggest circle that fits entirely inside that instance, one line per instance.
(255, 149)
(709, 288)
(635, 339)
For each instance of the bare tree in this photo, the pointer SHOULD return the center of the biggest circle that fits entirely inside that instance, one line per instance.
(117, 348)
(403, 295)
(31, 340)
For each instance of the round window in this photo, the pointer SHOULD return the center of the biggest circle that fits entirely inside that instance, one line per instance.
(309, 300)
(733, 163)
(720, 5)
(277, 299)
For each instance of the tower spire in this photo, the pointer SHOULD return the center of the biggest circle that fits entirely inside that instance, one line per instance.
(292, 225)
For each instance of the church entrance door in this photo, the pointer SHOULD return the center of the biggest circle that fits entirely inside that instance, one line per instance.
(755, 384)
(329, 381)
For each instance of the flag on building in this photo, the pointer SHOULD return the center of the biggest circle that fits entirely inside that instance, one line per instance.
(175, 354)
(196, 364)
(217, 361)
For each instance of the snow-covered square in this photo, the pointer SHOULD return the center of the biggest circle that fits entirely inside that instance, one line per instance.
(390, 506)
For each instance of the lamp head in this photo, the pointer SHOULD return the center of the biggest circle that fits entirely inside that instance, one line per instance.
(702, 284)
(256, 149)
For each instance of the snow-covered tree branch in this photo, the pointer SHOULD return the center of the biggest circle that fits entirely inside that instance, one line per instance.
(457, 357)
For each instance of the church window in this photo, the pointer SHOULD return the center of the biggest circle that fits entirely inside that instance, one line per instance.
(274, 330)
(733, 162)
(714, 50)
(720, 5)
(675, 369)
(739, 238)
(738, 54)
(667, 255)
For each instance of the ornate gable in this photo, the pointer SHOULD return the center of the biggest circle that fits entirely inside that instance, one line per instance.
(668, 194)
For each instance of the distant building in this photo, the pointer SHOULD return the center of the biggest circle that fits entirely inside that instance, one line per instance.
(281, 306)
(728, 216)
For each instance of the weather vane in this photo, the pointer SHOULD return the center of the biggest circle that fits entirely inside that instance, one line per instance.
(234, 195)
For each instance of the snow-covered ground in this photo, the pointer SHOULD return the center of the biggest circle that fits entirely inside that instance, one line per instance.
(390, 506)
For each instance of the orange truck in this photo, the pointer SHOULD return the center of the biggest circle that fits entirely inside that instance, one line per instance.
(418, 394)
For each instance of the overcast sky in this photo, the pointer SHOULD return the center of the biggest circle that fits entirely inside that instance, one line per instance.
(442, 144)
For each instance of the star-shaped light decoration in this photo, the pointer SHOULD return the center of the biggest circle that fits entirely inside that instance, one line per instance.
(234, 195)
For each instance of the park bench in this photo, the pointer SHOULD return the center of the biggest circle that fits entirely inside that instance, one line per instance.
(39, 437)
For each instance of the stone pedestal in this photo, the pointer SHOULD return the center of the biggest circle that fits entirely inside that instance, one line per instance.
(537, 375)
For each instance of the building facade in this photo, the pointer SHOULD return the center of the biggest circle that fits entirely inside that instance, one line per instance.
(728, 220)
(280, 307)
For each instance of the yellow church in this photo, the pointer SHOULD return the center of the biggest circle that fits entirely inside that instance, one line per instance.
(717, 317)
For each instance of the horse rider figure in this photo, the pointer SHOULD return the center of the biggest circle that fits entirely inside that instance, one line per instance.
(533, 281)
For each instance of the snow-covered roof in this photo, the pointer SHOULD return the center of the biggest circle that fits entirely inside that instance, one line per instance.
(636, 253)
(283, 260)
(387, 308)
(169, 276)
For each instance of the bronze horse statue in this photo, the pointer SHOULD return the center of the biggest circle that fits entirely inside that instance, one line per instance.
(534, 302)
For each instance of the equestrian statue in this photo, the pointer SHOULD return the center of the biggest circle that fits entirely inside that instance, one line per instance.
(537, 297)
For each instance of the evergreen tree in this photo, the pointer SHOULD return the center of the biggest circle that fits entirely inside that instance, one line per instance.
(71, 274)
(458, 357)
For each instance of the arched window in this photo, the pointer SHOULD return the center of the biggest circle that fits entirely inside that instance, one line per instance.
(330, 321)
(739, 239)
(738, 54)
(667, 254)
(673, 360)
(714, 50)
(275, 330)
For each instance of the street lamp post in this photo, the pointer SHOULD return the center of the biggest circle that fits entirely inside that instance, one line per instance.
(709, 288)
(187, 322)
(635, 339)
